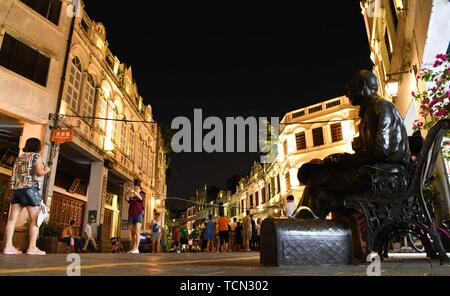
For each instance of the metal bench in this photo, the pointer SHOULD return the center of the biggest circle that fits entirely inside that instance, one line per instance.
(396, 203)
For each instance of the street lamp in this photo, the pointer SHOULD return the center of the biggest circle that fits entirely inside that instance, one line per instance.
(392, 88)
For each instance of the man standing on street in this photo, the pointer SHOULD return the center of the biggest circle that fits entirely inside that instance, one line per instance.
(247, 228)
(88, 236)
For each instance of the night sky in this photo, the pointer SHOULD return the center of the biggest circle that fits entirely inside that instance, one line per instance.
(232, 61)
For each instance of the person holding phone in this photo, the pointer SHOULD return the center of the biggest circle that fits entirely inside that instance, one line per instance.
(136, 201)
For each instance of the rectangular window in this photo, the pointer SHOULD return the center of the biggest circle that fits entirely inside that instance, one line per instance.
(300, 139)
(251, 201)
(123, 136)
(50, 9)
(272, 187)
(24, 60)
(318, 137)
(285, 148)
(333, 104)
(233, 211)
(263, 195)
(298, 114)
(131, 145)
(102, 113)
(278, 184)
(387, 40)
(315, 109)
(145, 158)
(84, 25)
(336, 132)
(88, 107)
(288, 181)
(257, 198)
(394, 11)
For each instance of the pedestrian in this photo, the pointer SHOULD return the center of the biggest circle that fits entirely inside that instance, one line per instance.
(26, 182)
(176, 239)
(69, 237)
(290, 207)
(233, 234)
(163, 241)
(136, 201)
(258, 233)
(223, 232)
(184, 240)
(156, 233)
(89, 238)
(210, 234)
(247, 231)
(196, 239)
(203, 239)
(253, 240)
(238, 241)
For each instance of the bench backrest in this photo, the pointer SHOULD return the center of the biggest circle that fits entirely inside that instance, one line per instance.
(428, 156)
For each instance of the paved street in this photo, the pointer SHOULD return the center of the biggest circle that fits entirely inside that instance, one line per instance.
(203, 264)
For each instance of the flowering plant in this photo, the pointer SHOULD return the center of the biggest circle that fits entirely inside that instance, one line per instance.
(435, 101)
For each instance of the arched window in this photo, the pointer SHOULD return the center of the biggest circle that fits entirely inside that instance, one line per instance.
(140, 152)
(102, 111)
(116, 127)
(131, 143)
(123, 135)
(145, 157)
(150, 162)
(88, 105)
(74, 84)
(111, 124)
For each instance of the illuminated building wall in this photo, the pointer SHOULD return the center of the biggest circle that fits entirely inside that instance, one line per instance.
(32, 50)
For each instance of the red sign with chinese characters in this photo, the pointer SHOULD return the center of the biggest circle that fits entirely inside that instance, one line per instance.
(62, 136)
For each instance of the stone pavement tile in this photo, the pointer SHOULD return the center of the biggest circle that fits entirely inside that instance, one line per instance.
(203, 264)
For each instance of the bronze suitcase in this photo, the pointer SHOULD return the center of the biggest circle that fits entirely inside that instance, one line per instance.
(286, 242)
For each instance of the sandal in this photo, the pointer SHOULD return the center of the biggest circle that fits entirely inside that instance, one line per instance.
(36, 253)
(12, 252)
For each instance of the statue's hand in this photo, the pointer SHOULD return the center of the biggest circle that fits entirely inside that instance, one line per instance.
(336, 159)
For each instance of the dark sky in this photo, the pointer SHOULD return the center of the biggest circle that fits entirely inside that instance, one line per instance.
(233, 61)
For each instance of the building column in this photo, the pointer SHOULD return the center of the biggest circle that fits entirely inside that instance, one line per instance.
(33, 131)
(124, 233)
(96, 196)
(53, 163)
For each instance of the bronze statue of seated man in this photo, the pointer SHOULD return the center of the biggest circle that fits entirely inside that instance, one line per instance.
(383, 140)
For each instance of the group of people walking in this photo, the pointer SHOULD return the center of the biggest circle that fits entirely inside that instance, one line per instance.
(221, 236)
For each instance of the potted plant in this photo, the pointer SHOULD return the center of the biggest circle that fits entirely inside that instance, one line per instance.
(49, 237)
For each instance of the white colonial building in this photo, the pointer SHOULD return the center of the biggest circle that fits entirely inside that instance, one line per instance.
(309, 133)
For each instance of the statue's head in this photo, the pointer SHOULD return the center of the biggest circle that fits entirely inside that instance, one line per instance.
(362, 87)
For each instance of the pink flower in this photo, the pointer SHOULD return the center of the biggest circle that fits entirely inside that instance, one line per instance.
(447, 94)
(438, 63)
(443, 57)
(414, 94)
(433, 102)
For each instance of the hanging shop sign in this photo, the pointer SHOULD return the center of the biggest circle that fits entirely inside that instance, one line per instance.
(62, 136)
